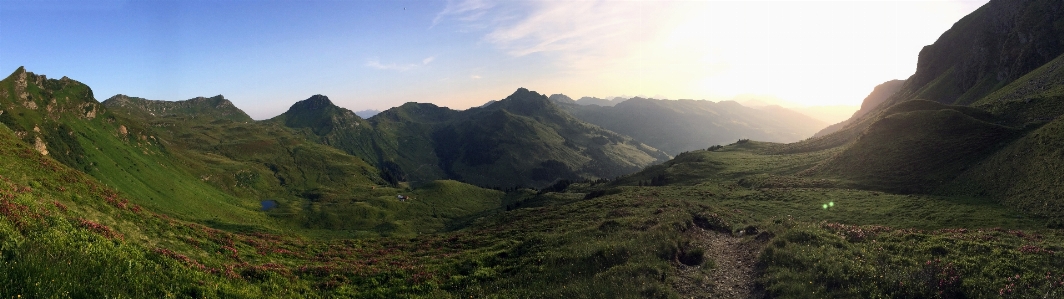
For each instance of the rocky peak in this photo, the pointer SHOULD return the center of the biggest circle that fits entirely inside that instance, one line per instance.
(523, 101)
(316, 102)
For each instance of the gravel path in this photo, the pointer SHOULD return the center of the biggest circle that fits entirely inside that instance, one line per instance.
(733, 276)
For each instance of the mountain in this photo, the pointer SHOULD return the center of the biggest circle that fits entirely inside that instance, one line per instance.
(983, 52)
(998, 70)
(211, 109)
(204, 160)
(675, 126)
(917, 146)
(601, 102)
(586, 101)
(915, 198)
(63, 121)
(523, 139)
(367, 113)
(994, 45)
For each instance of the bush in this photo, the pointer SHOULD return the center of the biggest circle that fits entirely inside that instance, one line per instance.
(692, 257)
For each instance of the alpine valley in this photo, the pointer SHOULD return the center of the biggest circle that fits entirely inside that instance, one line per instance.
(949, 184)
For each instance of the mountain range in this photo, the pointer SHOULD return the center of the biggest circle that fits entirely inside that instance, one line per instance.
(675, 126)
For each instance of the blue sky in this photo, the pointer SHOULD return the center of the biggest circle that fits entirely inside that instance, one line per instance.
(266, 55)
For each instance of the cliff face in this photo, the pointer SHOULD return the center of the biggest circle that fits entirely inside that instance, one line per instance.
(982, 53)
(996, 44)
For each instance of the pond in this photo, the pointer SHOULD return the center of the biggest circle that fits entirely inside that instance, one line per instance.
(268, 204)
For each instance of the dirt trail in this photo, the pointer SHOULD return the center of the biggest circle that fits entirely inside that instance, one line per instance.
(733, 276)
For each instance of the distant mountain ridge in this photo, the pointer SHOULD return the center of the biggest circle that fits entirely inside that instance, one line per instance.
(216, 107)
(367, 113)
(675, 126)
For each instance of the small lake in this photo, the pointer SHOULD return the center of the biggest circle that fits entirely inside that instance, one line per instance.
(268, 204)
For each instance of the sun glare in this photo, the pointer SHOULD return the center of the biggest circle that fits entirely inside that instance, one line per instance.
(804, 53)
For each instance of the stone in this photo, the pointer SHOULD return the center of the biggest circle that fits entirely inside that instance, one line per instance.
(40, 146)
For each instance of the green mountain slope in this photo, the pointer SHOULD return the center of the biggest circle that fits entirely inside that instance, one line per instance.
(685, 125)
(521, 140)
(61, 118)
(314, 186)
(1025, 174)
(917, 146)
(204, 160)
(63, 233)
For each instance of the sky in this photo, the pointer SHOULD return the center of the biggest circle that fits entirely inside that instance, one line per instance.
(265, 55)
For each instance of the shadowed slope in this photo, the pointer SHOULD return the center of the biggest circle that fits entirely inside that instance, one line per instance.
(916, 147)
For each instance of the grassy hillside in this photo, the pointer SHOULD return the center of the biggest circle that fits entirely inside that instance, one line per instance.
(64, 234)
(820, 237)
(204, 160)
(62, 118)
(1026, 174)
(315, 188)
(917, 149)
(916, 199)
(657, 233)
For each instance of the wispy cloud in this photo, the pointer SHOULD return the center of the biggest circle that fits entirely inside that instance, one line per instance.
(466, 10)
(569, 28)
(376, 64)
(474, 77)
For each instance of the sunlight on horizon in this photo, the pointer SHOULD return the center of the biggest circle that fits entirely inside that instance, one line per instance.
(791, 53)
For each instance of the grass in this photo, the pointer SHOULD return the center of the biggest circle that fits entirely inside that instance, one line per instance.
(123, 250)
(1026, 174)
(103, 223)
(831, 240)
(916, 151)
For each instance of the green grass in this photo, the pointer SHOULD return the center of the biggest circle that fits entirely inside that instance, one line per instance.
(176, 214)
(1026, 174)
(831, 240)
(916, 151)
(833, 260)
(739, 160)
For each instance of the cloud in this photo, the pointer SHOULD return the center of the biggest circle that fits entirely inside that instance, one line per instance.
(466, 10)
(575, 29)
(376, 64)
(474, 77)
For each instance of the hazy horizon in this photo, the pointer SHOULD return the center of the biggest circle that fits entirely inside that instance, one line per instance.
(266, 55)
